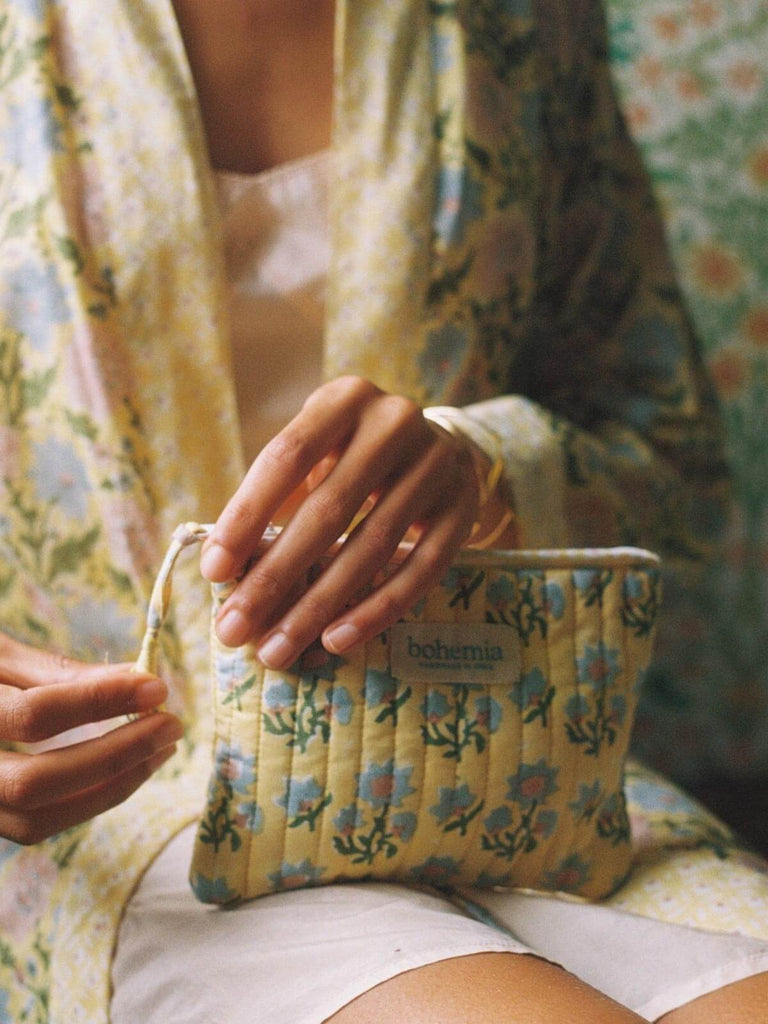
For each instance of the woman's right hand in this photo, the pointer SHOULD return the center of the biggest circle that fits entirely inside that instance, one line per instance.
(43, 695)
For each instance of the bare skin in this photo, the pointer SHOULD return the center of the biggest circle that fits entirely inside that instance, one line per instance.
(263, 73)
(289, 115)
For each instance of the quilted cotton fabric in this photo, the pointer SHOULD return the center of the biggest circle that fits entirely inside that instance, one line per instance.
(366, 766)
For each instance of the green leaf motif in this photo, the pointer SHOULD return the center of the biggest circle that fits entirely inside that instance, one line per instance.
(68, 556)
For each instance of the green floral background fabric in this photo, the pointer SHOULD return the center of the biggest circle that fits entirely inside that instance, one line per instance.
(692, 77)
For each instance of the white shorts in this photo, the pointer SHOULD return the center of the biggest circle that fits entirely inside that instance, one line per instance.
(300, 956)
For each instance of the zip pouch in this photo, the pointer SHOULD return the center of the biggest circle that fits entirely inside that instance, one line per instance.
(479, 741)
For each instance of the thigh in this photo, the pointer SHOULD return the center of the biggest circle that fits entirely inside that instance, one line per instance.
(498, 987)
(743, 1002)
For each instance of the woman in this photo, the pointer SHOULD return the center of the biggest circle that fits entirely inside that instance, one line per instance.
(491, 239)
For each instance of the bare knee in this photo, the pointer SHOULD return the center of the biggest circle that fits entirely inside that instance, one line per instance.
(743, 1002)
(506, 988)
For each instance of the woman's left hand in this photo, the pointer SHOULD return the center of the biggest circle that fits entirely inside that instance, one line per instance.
(351, 442)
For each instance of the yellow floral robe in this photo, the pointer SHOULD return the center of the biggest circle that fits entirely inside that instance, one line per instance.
(494, 245)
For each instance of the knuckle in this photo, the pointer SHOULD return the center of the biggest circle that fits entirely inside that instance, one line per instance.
(17, 785)
(289, 447)
(26, 831)
(24, 718)
(329, 506)
(261, 584)
(380, 537)
(390, 607)
(317, 610)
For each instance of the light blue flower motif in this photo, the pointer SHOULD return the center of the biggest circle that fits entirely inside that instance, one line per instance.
(618, 709)
(586, 803)
(212, 890)
(234, 768)
(280, 696)
(5, 1013)
(458, 202)
(452, 803)
(437, 871)
(458, 576)
(554, 599)
(632, 588)
(295, 876)
(8, 850)
(502, 592)
(585, 579)
(529, 690)
(382, 784)
(653, 348)
(59, 476)
(300, 795)
(545, 824)
(435, 706)
(403, 825)
(598, 666)
(488, 713)
(348, 820)
(35, 8)
(440, 50)
(99, 628)
(341, 705)
(380, 687)
(444, 352)
(34, 302)
(499, 819)
(231, 668)
(570, 875)
(31, 136)
(532, 783)
(577, 707)
(250, 816)
(654, 795)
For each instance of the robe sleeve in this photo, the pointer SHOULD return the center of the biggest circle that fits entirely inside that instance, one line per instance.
(610, 430)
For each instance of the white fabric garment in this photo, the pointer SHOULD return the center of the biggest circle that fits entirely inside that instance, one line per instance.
(277, 251)
(299, 957)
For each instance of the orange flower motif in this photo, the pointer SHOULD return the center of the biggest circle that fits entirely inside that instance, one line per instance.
(689, 87)
(757, 166)
(703, 13)
(638, 116)
(716, 270)
(650, 70)
(667, 27)
(755, 326)
(728, 372)
(743, 76)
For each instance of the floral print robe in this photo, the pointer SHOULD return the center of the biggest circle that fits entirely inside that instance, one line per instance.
(495, 245)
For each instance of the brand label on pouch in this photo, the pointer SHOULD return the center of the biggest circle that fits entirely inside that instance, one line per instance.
(454, 652)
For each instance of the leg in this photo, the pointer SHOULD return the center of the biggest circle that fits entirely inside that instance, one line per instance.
(743, 1002)
(506, 988)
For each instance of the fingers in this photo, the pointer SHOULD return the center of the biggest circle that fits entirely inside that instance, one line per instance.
(96, 695)
(324, 425)
(414, 476)
(41, 794)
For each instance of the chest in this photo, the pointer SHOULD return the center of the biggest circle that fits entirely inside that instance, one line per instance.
(263, 70)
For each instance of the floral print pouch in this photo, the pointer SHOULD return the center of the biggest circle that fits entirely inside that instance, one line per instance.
(479, 741)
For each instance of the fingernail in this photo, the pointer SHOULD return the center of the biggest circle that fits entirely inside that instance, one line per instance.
(149, 694)
(233, 628)
(217, 564)
(169, 732)
(277, 651)
(342, 638)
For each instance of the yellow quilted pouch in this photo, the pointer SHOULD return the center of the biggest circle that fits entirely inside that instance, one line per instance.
(479, 741)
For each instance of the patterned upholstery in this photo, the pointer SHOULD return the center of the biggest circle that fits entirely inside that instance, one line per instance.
(693, 83)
